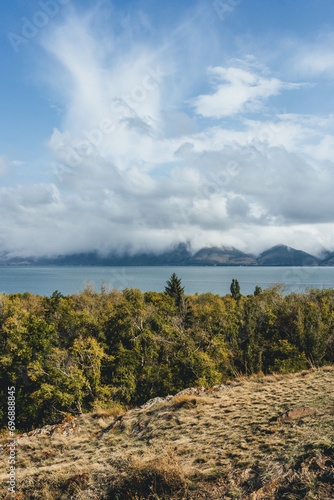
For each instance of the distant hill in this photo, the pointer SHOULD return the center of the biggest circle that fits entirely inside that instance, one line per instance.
(281, 255)
(328, 261)
(181, 255)
(222, 257)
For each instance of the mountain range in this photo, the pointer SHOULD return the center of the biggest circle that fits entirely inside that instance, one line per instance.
(181, 255)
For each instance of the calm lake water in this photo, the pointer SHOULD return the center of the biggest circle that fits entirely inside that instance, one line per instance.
(69, 280)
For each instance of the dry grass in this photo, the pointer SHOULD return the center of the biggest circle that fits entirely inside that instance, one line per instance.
(227, 444)
(150, 477)
(188, 401)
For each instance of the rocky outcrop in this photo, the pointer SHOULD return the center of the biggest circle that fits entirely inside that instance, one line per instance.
(191, 391)
(67, 428)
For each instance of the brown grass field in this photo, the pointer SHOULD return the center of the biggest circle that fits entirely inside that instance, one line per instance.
(262, 437)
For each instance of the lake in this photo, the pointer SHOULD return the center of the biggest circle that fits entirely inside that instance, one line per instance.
(69, 280)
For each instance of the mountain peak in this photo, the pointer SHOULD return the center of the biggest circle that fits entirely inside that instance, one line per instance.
(282, 255)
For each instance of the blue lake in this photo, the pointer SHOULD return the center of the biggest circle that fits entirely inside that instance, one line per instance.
(69, 280)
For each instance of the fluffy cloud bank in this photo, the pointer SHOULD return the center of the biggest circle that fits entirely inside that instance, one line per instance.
(139, 164)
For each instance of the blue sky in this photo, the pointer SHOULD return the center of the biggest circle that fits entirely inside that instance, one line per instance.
(140, 124)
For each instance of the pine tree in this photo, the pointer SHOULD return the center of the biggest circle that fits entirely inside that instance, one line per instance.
(174, 289)
(235, 289)
(257, 290)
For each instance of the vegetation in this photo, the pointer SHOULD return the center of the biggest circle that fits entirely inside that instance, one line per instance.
(174, 289)
(256, 438)
(235, 289)
(69, 355)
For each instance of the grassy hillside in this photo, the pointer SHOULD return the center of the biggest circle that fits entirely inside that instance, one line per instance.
(255, 438)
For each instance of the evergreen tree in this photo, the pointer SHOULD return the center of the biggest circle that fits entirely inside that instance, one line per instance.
(174, 289)
(257, 290)
(235, 289)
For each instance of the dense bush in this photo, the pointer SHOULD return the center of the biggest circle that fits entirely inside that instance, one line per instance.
(70, 354)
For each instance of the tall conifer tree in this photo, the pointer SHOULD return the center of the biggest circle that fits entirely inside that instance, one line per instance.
(174, 288)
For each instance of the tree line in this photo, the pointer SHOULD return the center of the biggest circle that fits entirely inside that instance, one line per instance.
(71, 354)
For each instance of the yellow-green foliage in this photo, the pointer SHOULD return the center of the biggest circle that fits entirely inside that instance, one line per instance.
(67, 354)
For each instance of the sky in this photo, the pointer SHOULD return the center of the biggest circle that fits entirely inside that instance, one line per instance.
(135, 125)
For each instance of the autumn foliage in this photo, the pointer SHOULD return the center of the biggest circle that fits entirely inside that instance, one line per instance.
(67, 355)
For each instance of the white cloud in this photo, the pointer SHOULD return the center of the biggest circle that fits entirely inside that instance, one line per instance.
(136, 169)
(324, 150)
(316, 59)
(317, 62)
(237, 91)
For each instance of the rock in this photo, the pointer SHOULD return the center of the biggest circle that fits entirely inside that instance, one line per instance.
(66, 428)
(191, 390)
(294, 414)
